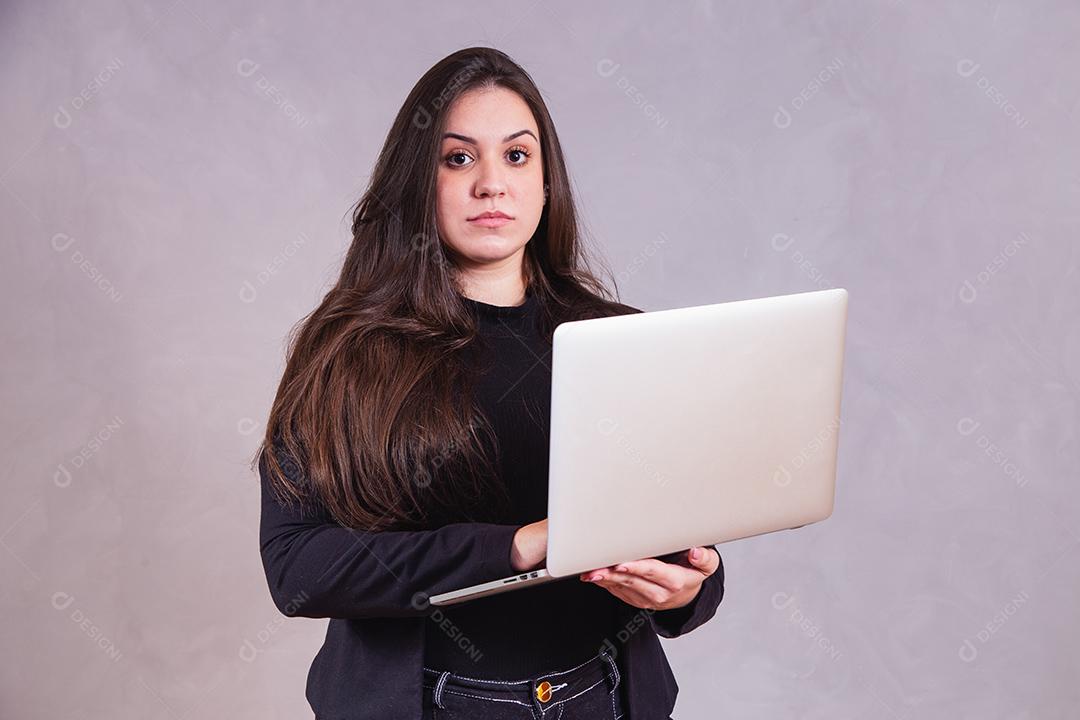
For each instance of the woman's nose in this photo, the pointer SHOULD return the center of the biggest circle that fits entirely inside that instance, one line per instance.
(490, 182)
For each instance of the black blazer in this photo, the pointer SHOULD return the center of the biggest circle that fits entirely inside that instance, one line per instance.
(373, 586)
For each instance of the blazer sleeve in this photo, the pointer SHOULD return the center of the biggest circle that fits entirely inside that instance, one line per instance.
(319, 569)
(679, 621)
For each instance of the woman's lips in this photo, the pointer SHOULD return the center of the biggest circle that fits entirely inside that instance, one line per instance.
(490, 222)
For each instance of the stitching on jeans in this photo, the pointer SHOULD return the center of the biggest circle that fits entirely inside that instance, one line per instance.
(444, 676)
(614, 667)
(519, 702)
(492, 682)
(615, 689)
(560, 702)
(526, 680)
(439, 688)
(491, 699)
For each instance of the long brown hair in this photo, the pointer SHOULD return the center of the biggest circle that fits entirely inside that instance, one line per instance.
(375, 402)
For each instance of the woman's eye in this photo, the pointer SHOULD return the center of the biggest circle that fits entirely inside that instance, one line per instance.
(520, 152)
(451, 156)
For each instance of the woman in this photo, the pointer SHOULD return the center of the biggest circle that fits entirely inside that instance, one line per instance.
(409, 438)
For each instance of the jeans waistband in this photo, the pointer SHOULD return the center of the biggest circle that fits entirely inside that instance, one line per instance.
(542, 691)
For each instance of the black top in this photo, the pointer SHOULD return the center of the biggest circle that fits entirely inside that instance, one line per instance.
(373, 586)
(556, 625)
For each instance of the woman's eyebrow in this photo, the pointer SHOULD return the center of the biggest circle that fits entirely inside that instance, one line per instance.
(472, 141)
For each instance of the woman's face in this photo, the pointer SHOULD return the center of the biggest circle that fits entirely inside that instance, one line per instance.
(489, 161)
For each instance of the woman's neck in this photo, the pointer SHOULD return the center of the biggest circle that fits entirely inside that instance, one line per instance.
(494, 286)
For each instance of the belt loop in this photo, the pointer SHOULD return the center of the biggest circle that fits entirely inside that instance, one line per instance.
(611, 661)
(439, 688)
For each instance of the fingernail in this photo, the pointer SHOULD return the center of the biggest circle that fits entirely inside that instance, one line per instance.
(621, 568)
(696, 553)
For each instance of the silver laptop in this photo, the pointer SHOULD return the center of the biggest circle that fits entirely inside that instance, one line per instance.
(694, 426)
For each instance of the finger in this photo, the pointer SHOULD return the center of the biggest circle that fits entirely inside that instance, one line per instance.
(705, 558)
(649, 568)
(668, 581)
(598, 572)
(671, 576)
(638, 567)
(635, 589)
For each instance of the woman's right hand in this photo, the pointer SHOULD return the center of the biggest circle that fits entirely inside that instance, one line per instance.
(530, 546)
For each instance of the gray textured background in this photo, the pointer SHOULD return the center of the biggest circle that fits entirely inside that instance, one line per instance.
(173, 183)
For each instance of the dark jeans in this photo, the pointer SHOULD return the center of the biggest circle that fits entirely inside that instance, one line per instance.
(589, 691)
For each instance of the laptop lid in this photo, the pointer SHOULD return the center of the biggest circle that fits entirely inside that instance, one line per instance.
(693, 426)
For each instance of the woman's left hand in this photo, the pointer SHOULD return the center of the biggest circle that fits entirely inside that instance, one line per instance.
(657, 585)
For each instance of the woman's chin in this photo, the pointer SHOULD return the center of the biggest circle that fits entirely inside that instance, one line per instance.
(489, 248)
